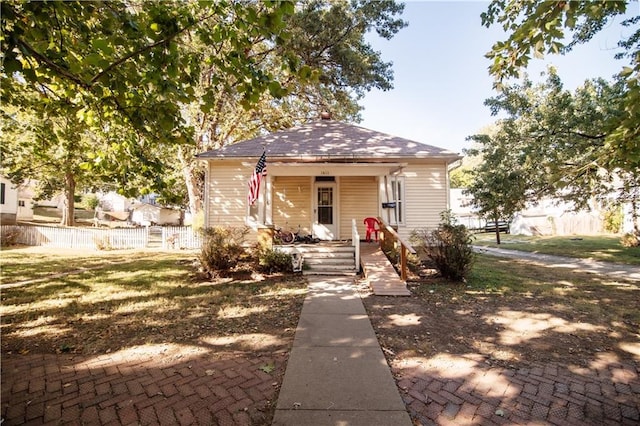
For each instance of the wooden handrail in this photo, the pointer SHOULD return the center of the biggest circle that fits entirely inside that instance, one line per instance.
(404, 246)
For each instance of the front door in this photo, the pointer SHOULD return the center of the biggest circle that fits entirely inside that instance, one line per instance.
(325, 211)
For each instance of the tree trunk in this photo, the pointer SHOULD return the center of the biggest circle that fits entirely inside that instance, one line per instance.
(68, 213)
(634, 215)
(194, 190)
(495, 222)
(195, 193)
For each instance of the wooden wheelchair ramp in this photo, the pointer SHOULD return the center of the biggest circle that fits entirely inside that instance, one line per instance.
(380, 273)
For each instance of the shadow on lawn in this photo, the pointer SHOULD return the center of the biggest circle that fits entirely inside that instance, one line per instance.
(548, 346)
(149, 301)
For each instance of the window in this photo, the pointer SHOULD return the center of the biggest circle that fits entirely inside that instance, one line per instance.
(254, 213)
(397, 192)
(21, 203)
(2, 189)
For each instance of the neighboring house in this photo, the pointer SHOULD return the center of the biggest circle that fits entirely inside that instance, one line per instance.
(25, 201)
(56, 201)
(547, 217)
(149, 199)
(8, 201)
(462, 209)
(114, 202)
(147, 214)
(325, 173)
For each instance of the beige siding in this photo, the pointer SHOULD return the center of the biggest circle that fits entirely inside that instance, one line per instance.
(425, 195)
(227, 189)
(358, 199)
(292, 202)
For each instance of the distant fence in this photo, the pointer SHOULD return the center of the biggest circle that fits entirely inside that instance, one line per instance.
(79, 238)
(567, 224)
(180, 237)
(174, 237)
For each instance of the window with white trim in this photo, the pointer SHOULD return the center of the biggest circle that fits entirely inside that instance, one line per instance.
(397, 192)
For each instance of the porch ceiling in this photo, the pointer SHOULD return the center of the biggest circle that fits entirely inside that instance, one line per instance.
(333, 169)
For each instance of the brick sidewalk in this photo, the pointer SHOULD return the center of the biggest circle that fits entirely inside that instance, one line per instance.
(141, 386)
(455, 390)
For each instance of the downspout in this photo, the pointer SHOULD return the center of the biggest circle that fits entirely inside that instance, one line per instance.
(394, 181)
(207, 203)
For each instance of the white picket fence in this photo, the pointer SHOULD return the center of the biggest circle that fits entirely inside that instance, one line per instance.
(102, 239)
(180, 237)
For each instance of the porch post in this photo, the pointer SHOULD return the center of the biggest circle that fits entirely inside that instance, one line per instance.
(268, 206)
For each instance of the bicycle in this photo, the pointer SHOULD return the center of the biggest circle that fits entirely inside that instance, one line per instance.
(305, 239)
(284, 237)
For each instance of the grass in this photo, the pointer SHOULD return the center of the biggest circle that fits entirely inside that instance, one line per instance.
(602, 247)
(512, 312)
(583, 293)
(139, 298)
(29, 263)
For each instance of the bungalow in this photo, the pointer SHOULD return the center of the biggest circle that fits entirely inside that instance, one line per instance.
(322, 175)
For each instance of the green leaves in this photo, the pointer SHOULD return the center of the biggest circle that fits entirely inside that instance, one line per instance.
(555, 143)
(536, 27)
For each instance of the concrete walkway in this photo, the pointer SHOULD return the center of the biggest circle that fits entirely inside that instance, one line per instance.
(610, 269)
(337, 373)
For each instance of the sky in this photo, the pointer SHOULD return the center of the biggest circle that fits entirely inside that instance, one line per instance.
(440, 72)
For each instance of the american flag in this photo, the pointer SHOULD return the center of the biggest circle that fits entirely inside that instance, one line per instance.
(256, 177)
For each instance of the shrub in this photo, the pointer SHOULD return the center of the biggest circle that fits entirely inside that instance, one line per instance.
(630, 240)
(90, 201)
(197, 223)
(9, 236)
(271, 261)
(448, 247)
(613, 218)
(222, 249)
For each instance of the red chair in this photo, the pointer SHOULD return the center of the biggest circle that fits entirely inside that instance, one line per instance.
(373, 226)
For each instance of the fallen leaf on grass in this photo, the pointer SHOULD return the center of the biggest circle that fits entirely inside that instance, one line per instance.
(268, 368)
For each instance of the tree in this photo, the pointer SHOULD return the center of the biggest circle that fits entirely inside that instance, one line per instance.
(148, 79)
(538, 27)
(499, 183)
(335, 67)
(551, 143)
(123, 66)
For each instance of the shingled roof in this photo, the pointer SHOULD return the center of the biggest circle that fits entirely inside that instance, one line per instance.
(330, 140)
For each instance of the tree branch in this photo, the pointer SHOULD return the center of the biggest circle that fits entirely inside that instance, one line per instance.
(59, 69)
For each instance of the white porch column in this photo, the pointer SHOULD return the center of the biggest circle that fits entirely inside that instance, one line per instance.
(267, 217)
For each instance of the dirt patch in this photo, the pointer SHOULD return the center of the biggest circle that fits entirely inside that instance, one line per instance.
(564, 317)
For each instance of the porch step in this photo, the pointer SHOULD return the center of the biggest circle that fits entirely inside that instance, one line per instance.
(325, 258)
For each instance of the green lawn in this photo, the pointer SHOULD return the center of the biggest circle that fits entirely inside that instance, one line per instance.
(601, 247)
(136, 298)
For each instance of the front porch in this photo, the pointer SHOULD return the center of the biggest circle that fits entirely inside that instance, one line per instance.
(343, 258)
(321, 200)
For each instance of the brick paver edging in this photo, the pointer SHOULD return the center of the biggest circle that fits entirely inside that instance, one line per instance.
(455, 390)
(132, 387)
